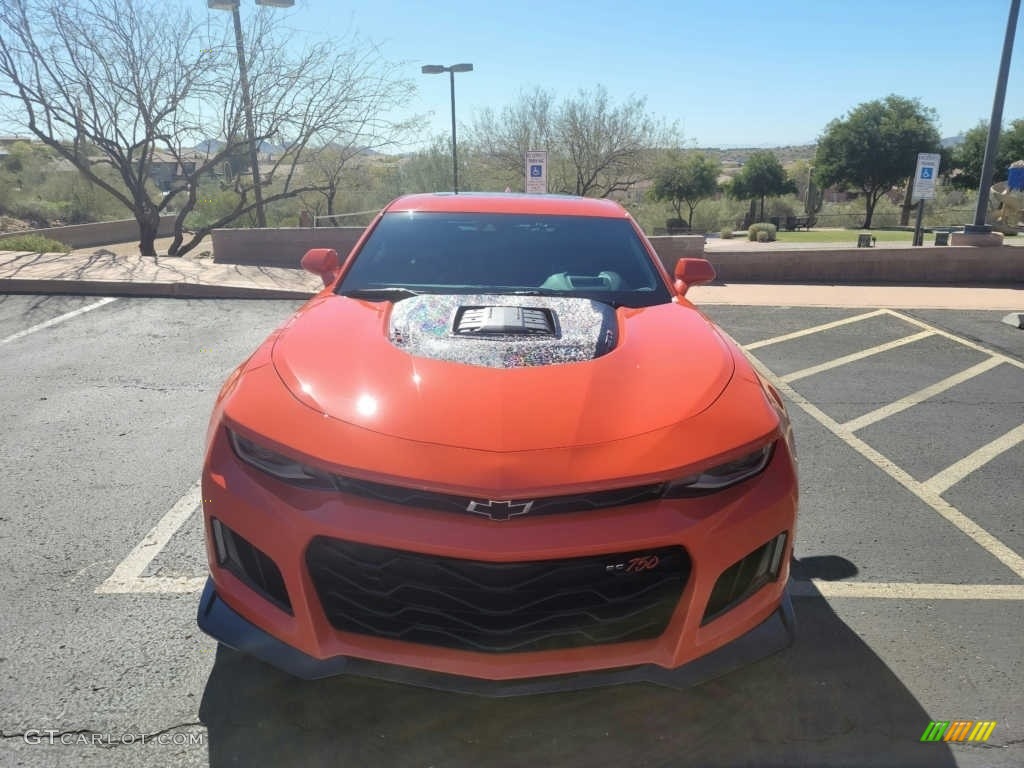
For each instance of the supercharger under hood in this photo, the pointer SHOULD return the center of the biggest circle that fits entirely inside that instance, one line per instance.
(503, 331)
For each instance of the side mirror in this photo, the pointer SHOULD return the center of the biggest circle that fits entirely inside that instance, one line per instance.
(321, 261)
(692, 272)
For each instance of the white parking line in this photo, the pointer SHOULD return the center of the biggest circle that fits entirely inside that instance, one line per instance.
(846, 359)
(965, 342)
(975, 532)
(953, 474)
(921, 395)
(906, 591)
(59, 319)
(815, 329)
(127, 577)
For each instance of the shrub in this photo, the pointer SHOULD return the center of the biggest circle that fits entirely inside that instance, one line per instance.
(33, 243)
(38, 213)
(716, 215)
(727, 233)
(762, 228)
(782, 206)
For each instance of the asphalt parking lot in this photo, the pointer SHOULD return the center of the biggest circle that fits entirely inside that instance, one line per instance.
(909, 578)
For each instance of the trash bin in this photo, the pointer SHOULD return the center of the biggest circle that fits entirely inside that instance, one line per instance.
(942, 238)
(865, 241)
(1015, 177)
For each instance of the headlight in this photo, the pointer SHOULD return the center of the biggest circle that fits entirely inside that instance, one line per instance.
(279, 466)
(723, 475)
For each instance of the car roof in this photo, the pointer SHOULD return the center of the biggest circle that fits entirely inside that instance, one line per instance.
(509, 202)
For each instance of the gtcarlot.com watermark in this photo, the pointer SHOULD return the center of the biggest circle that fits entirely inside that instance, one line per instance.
(92, 738)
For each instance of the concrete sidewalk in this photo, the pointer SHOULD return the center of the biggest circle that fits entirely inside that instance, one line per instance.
(108, 272)
(120, 271)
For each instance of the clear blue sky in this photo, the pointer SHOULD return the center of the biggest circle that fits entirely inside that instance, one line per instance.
(731, 72)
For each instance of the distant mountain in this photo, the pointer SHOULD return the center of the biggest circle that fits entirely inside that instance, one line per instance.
(210, 146)
(952, 141)
(786, 155)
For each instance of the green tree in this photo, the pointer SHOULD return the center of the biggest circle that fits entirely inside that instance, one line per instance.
(874, 148)
(1012, 143)
(686, 180)
(430, 168)
(969, 155)
(762, 176)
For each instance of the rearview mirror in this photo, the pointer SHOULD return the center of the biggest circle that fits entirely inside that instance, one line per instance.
(321, 261)
(692, 272)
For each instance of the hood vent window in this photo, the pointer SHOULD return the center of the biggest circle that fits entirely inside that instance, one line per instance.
(504, 321)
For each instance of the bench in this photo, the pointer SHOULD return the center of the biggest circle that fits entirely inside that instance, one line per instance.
(796, 222)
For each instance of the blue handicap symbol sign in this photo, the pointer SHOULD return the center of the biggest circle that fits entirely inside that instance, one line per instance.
(926, 173)
(536, 171)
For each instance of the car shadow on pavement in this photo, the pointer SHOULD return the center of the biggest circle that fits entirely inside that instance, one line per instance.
(827, 700)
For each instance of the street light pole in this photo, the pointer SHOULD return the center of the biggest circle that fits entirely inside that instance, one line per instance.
(995, 125)
(436, 69)
(250, 126)
(243, 76)
(455, 152)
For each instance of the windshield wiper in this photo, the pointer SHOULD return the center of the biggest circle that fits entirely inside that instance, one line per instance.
(531, 292)
(569, 294)
(380, 294)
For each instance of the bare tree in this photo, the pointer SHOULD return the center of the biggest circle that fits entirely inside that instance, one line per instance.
(595, 147)
(123, 83)
(504, 138)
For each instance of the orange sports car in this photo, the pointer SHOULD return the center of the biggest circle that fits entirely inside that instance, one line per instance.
(500, 452)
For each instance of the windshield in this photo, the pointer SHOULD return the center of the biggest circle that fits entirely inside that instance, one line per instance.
(582, 256)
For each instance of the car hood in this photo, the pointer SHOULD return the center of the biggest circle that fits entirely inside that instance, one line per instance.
(638, 370)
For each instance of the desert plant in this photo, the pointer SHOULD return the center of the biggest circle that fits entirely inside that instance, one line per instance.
(762, 228)
(33, 243)
(727, 233)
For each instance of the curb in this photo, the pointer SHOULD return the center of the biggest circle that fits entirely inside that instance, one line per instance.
(180, 290)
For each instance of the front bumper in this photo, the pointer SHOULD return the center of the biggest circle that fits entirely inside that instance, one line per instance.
(221, 622)
(282, 527)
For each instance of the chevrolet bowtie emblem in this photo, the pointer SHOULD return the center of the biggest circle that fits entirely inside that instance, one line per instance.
(499, 510)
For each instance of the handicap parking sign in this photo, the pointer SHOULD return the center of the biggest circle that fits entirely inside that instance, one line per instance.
(926, 172)
(536, 171)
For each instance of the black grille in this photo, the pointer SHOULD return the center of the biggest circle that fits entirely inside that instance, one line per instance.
(505, 320)
(579, 502)
(497, 607)
(251, 565)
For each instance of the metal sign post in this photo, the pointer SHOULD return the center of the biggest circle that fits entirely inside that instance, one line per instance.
(537, 171)
(924, 188)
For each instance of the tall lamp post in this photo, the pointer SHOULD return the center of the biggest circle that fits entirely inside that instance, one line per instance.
(243, 76)
(437, 69)
(994, 126)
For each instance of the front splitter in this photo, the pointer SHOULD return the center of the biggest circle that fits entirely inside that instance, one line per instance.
(224, 624)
